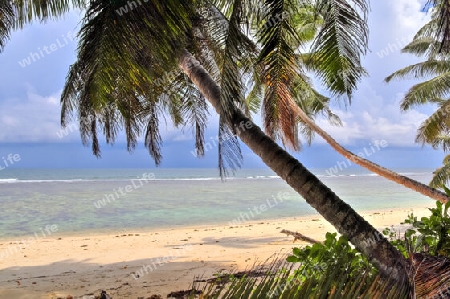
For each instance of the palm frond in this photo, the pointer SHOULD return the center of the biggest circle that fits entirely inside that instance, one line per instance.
(194, 111)
(6, 21)
(215, 29)
(235, 45)
(255, 97)
(427, 30)
(422, 69)
(230, 155)
(231, 85)
(435, 126)
(441, 141)
(432, 276)
(278, 280)
(26, 11)
(435, 88)
(442, 30)
(441, 176)
(423, 46)
(153, 140)
(279, 40)
(340, 43)
(125, 62)
(312, 103)
(207, 51)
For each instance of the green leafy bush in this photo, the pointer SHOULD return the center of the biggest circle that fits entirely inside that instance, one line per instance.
(333, 252)
(430, 235)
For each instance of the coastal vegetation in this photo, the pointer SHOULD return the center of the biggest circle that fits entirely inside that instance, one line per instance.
(335, 269)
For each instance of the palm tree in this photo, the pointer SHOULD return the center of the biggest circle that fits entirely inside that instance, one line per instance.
(341, 77)
(436, 69)
(127, 74)
(282, 111)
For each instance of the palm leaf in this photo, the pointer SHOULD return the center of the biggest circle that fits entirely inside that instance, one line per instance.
(312, 103)
(26, 11)
(340, 43)
(193, 110)
(232, 93)
(230, 155)
(435, 126)
(277, 281)
(153, 140)
(441, 176)
(123, 62)
(421, 69)
(442, 30)
(431, 90)
(255, 95)
(279, 40)
(432, 276)
(6, 21)
(420, 46)
(442, 141)
(14, 14)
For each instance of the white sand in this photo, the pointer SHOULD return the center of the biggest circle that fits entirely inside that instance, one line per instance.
(83, 265)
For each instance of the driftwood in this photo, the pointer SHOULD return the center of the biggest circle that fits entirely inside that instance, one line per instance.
(184, 294)
(299, 236)
(225, 278)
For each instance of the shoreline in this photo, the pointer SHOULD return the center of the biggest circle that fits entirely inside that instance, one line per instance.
(157, 261)
(105, 231)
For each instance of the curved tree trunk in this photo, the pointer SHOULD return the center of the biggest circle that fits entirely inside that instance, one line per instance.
(373, 167)
(349, 223)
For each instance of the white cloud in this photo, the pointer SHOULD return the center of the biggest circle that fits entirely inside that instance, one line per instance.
(393, 24)
(30, 119)
(372, 117)
(409, 15)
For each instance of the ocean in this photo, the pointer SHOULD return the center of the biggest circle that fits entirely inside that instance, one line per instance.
(77, 201)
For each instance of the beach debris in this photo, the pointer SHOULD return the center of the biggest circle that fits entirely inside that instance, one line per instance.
(184, 294)
(104, 295)
(226, 277)
(299, 236)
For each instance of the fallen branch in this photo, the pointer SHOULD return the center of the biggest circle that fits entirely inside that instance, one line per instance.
(299, 236)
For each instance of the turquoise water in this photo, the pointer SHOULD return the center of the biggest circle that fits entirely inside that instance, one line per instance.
(76, 200)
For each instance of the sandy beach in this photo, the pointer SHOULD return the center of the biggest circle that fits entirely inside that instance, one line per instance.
(135, 264)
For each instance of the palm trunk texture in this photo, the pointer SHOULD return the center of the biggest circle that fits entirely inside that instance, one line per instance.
(349, 223)
(373, 167)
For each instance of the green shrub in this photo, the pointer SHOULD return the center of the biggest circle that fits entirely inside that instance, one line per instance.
(430, 235)
(334, 253)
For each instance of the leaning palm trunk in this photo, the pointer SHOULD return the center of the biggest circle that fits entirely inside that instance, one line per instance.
(349, 223)
(384, 172)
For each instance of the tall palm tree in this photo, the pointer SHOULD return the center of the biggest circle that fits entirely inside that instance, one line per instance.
(127, 74)
(286, 113)
(340, 72)
(435, 130)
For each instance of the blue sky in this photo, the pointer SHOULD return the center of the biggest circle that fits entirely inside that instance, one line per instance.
(31, 84)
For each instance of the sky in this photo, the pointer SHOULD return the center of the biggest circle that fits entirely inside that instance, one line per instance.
(36, 60)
